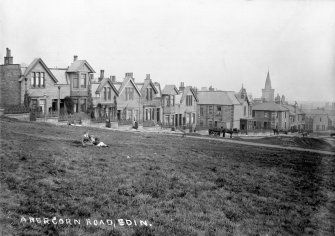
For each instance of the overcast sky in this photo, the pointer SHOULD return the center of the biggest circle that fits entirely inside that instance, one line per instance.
(202, 43)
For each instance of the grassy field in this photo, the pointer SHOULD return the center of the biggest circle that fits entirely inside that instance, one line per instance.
(180, 186)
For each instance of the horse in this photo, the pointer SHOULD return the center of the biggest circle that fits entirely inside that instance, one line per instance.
(275, 131)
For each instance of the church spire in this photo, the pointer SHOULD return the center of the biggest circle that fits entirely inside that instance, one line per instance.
(268, 81)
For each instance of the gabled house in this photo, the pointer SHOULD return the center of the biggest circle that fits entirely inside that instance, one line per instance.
(128, 101)
(80, 74)
(270, 115)
(151, 108)
(297, 117)
(42, 86)
(218, 109)
(186, 109)
(244, 111)
(169, 94)
(104, 97)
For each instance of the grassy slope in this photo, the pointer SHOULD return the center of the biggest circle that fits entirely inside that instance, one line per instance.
(182, 186)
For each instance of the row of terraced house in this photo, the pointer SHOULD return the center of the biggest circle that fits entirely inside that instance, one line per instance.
(140, 100)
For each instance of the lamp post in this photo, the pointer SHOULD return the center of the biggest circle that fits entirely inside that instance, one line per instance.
(58, 104)
(45, 108)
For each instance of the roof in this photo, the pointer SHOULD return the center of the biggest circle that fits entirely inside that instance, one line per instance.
(185, 92)
(143, 86)
(293, 110)
(77, 65)
(269, 106)
(216, 98)
(315, 112)
(103, 83)
(170, 90)
(33, 64)
(60, 75)
(232, 97)
(121, 85)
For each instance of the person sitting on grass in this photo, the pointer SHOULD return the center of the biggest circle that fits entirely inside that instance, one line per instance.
(88, 139)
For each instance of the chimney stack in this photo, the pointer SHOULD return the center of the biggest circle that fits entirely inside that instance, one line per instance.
(147, 77)
(130, 75)
(101, 75)
(75, 57)
(181, 87)
(8, 58)
(113, 78)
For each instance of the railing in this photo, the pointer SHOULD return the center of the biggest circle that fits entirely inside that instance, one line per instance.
(16, 109)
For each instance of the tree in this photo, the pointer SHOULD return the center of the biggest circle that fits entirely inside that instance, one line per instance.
(68, 101)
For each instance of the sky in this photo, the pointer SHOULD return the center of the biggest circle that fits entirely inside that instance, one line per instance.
(216, 43)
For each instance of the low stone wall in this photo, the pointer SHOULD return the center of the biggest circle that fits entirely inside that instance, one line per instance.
(21, 116)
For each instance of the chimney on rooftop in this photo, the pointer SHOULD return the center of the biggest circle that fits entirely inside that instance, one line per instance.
(130, 75)
(75, 57)
(181, 87)
(101, 75)
(113, 78)
(8, 58)
(147, 77)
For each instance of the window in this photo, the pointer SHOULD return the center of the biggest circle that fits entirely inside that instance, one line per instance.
(320, 119)
(42, 79)
(83, 80)
(218, 110)
(189, 100)
(266, 114)
(37, 79)
(285, 114)
(201, 110)
(245, 111)
(193, 118)
(109, 94)
(105, 93)
(323, 127)
(75, 81)
(129, 93)
(75, 107)
(210, 123)
(149, 93)
(210, 110)
(168, 101)
(253, 113)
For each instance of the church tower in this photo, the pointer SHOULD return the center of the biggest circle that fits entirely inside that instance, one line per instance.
(268, 92)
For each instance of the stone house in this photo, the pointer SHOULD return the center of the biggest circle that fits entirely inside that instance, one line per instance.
(297, 117)
(219, 109)
(150, 107)
(244, 111)
(129, 99)
(270, 116)
(316, 120)
(104, 97)
(179, 106)
(46, 86)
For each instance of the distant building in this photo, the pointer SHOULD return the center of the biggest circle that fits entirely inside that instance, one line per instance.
(297, 117)
(317, 119)
(223, 109)
(270, 116)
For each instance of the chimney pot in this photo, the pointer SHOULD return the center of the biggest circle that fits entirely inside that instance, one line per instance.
(75, 57)
(147, 76)
(101, 75)
(113, 78)
(7, 52)
(8, 58)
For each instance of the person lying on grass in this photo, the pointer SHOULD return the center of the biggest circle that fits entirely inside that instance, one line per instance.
(88, 139)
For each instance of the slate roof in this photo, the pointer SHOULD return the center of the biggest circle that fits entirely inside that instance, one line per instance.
(121, 85)
(170, 90)
(216, 98)
(60, 75)
(103, 83)
(269, 106)
(185, 92)
(143, 86)
(76, 65)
